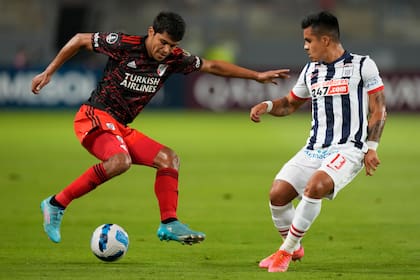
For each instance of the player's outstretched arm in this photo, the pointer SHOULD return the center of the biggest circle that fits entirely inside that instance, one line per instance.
(377, 112)
(226, 69)
(278, 107)
(79, 41)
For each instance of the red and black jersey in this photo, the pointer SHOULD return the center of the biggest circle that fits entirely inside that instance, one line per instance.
(131, 78)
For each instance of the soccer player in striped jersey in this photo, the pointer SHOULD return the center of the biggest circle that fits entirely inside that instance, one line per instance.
(136, 69)
(348, 117)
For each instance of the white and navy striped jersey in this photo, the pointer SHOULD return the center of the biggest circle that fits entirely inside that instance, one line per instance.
(339, 93)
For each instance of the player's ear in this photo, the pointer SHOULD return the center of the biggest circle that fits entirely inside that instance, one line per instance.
(150, 31)
(326, 40)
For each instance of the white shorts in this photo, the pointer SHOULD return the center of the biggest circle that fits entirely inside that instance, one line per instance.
(341, 162)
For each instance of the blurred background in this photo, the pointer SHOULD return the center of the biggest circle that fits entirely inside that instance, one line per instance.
(261, 34)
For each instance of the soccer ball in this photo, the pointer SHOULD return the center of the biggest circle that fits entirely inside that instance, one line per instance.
(109, 242)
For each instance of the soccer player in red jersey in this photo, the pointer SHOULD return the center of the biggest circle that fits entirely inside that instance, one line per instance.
(136, 69)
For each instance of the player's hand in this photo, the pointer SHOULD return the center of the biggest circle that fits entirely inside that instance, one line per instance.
(270, 76)
(39, 81)
(257, 111)
(371, 161)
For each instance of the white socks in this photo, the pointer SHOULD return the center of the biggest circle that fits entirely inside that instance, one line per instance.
(282, 217)
(306, 212)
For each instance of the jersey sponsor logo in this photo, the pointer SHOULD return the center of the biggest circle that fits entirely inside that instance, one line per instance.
(331, 87)
(161, 69)
(338, 89)
(319, 153)
(111, 38)
(132, 64)
(140, 83)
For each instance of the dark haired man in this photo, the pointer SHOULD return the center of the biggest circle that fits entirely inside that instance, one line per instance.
(136, 69)
(348, 117)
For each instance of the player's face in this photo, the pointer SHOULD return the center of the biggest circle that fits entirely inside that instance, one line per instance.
(160, 45)
(314, 45)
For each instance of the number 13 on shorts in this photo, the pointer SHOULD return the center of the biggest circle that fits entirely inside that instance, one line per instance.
(337, 162)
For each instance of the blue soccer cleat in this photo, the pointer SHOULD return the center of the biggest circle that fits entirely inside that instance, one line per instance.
(179, 232)
(52, 219)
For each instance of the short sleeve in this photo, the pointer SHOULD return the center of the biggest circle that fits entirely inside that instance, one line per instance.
(371, 78)
(113, 44)
(300, 89)
(185, 62)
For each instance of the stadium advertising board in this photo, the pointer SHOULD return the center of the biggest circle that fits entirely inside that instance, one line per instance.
(69, 87)
(72, 86)
(220, 94)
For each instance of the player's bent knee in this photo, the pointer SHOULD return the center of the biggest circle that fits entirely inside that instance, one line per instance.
(281, 193)
(319, 186)
(117, 164)
(317, 190)
(167, 158)
(274, 193)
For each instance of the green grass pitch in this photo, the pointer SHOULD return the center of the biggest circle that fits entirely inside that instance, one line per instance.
(227, 163)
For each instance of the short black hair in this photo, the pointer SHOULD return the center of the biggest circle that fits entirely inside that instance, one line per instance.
(323, 23)
(171, 23)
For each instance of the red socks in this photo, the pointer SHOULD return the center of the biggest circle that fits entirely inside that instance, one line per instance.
(166, 190)
(89, 180)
